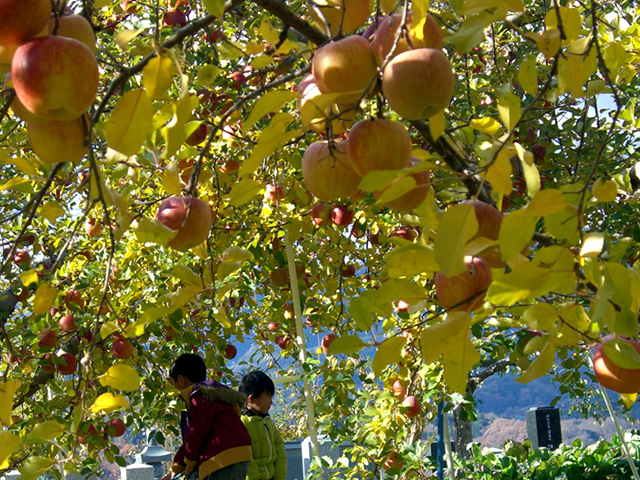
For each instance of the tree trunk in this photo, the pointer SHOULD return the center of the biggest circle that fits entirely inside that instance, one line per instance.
(463, 433)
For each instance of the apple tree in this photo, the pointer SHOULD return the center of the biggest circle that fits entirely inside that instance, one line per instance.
(447, 187)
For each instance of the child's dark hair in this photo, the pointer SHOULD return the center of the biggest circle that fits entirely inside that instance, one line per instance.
(189, 365)
(256, 383)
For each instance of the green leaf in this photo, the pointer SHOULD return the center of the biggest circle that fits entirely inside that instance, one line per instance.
(44, 432)
(361, 316)
(541, 316)
(33, 467)
(9, 444)
(540, 366)
(346, 345)
(214, 7)
(457, 226)
(622, 354)
(389, 351)
(411, 260)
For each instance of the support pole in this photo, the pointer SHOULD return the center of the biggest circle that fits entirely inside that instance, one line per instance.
(440, 441)
(302, 347)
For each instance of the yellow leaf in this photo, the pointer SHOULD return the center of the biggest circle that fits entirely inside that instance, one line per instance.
(346, 345)
(44, 297)
(121, 377)
(615, 57)
(171, 178)
(108, 402)
(411, 260)
(488, 125)
(29, 277)
(23, 164)
(157, 76)
(457, 226)
(471, 33)
(378, 180)
(221, 316)
(389, 351)
(214, 7)
(51, 211)
(129, 122)
(44, 432)
(627, 398)
(153, 231)
(528, 75)
(561, 263)
(174, 132)
(499, 173)
(397, 189)
(268, 32)
(108, 328)
(17, 183)
(510, 288)
(387, 6)
(516, 232)
(460, 361)
(232, 260)
(243, 191)
(261, 61)
(33, 467)
(540, 366)
(475, 6)
(541, 316)
(592, 245)
(187, 275)
(269, 103)
(548, 42)
(124, 37)
(531, 173)
(437, 125)
(546, 202)
(605, 190)
(152, 313)
(7, 391)
(574, 71)
(399, 289)
(509, 110)
(207, 75)
(361, 316)
(271, 138)
(571, 21)
(181, 296)
(9, 444)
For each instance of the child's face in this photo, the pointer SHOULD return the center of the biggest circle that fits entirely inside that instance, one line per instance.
(261, 403)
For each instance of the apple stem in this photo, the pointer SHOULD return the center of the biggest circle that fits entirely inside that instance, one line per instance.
(623, 443)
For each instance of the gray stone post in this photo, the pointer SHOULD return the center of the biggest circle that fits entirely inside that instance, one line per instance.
(154, 455)
(137, 471)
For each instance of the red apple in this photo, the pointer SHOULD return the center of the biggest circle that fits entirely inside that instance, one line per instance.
(355, 15)
(327, 340)
(122, 348)
(411, 406)
(402, 306)
(345, 66)
(393, 461)
(74, 26)
(21, 294)
(273, 327)
(28, 239)
(69, 364)
(280, 277)
(230, 352)
(22, 258)
(418, 83)
(273, 193)
(22, 20)
(75, 297)
(342, 215)
(174, 17)
(92, 227)
(467, 291)
(283, 341)
(55, 77)
(67, 323)
(191, 217)
(47, 338)
(379, 144)
(327, 170)
(348, 271)
(238, 79)
(115, 427)
(398, 390)
(47, 364)
(407, 233)
(314, 114)
(613, 376)
(321, 214)
(489, 223)
(87, 432)
(198, 136)
(230, 166)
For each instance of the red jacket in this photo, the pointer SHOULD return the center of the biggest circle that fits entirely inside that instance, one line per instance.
(214, 436)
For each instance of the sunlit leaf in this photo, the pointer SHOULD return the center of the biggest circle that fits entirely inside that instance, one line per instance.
(243, 191)
(437, 124)
(513, 287)
(174, 132)
(498, 174)
(214, 7)
(129, 122)
(546, 202)
(571, 21)
(574, 71)
(457, 226)
(124, 37)
(540, 366)
(361, 316)
(592, 244)
(207, 75)
(44, 432)
(389, 351)
(410, 261)
(9, 444)
(528, 75)
(186, 274)
(7, 390)
(154, 231)
(530, 170)
(541, 316)
(605, 190)
(157, 76)
(171, 181)
(548, 42)
(346, 345)
(180, 296)
(121, 377)
(108, 402)
(488, 125)
(516, 232)
(51, 211)
(268, 103)
(43, 299)
(509, 110)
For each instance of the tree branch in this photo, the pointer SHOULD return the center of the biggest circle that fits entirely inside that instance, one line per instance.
(280, 10)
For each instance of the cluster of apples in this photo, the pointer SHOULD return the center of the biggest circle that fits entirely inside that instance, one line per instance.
(417, 83)
(54, 73)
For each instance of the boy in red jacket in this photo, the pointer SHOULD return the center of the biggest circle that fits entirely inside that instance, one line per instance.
(215, 441)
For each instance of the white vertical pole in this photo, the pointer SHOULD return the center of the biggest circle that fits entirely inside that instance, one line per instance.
(302, 348)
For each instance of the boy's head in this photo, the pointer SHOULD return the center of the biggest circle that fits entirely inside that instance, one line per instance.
(259, 389)
(186, 370)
